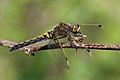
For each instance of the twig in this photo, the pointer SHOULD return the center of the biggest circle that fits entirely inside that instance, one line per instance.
(78, 43)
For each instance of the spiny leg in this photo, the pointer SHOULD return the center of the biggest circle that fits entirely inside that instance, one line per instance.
(90, 54)
(71, 42)
(54, 41)
(64, 55)
(81, 38)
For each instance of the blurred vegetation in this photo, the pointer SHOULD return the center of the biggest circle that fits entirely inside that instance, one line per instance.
(23, 19)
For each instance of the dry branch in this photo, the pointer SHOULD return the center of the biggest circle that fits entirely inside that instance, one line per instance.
(30, 50)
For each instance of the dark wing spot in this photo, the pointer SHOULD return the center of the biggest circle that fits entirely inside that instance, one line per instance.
(100, 25)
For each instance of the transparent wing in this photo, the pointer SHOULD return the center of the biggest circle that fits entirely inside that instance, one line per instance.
(64, 58)
(60, 55)
(91, 27)
(93, 31)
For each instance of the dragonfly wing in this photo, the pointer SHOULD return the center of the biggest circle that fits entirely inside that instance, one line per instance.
(59, 54)
(91, 27)
(64, 58)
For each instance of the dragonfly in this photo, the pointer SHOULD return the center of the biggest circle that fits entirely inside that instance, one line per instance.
(60, 31)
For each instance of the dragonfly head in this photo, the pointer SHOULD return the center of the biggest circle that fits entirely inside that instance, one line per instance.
(75, 28)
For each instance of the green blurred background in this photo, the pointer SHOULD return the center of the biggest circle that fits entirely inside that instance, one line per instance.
(23, 19)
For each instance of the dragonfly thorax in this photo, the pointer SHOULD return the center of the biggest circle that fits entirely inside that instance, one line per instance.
(75, 28)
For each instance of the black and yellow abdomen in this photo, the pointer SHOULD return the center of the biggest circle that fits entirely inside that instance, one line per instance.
(43, 37)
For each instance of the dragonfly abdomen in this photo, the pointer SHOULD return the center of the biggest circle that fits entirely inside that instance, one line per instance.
(43, 37)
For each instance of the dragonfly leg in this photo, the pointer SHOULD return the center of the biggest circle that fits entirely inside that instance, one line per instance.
(71, 42)
(32, 54)
(90, 54)
(64, 55)
(29, 52)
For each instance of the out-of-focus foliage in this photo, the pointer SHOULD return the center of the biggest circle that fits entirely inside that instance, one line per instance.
(23, 19)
